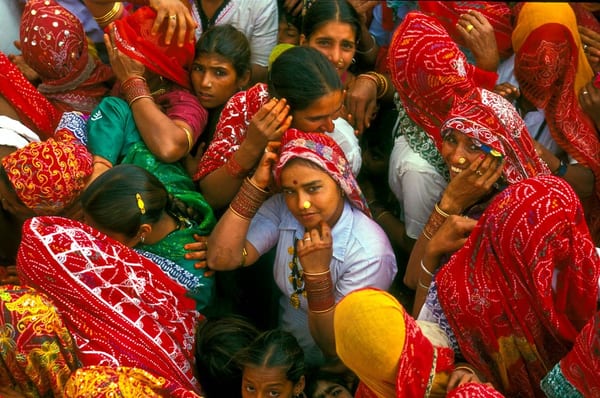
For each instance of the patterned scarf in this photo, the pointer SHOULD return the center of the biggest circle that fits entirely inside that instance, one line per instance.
(48, 176)
(121, 309)
(428, 70)
(480, 123)
(34, 110)
(133, 37)
(497, 13)
(523, 285)
(54, 44)
(551, 68)
(323, 151)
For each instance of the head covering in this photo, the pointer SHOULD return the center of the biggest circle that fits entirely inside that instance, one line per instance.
(551, 68)
(133, 37)
(384, 346)
(54, 44)
(48, 176)
(34, 110)
(523, 285)
(322, 150)
(428, 70)
(480, 123)
(497, 13)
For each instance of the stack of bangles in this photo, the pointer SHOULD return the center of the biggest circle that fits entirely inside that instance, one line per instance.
(134, 89)
(111, 15)
(428, 273)
(319, 291)
(436, 219)
(248, 200)
(380, 82)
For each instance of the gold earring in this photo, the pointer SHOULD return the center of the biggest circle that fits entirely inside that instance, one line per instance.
(306, 204)
(461, 160)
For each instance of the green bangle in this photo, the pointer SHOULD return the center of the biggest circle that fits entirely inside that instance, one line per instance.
(561, 170)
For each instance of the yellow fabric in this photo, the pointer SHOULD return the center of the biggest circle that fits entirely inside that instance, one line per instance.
(534, 15)
(277, 51)
(104, 381)
(369, 336)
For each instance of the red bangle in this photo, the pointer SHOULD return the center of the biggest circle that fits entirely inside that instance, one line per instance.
(235, 169)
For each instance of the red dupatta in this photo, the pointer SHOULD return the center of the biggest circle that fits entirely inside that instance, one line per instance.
(582, 365)
(120, 307)
(523, 285)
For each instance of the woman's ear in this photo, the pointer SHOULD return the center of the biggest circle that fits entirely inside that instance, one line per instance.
(303, 40)
(244, 80)
(299, 387)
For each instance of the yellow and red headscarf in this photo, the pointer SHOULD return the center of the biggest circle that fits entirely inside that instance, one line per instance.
(133, 37)
(48, 176)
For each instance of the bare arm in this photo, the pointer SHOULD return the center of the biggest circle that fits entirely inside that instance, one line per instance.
(269, 123)
(228, 248)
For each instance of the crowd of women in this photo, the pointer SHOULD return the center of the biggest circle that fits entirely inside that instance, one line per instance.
(251, 198)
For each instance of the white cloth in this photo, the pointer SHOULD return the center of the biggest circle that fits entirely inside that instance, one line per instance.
(257, 19)
(362, 257)
(416, 184)
(16, 134)
(344, 136)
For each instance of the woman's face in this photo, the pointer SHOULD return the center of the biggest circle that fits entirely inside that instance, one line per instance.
(263, 382)
(328, 389)
(215, 80)
(459, 151)
(319, 116)
(337, 40)
(301, 183)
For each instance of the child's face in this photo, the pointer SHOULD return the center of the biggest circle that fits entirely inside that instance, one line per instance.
(287, 33)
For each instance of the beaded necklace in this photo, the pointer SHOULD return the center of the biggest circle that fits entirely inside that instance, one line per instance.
(295, 278)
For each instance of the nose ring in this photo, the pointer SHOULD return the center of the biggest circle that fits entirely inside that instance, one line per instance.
(340, 63)
(461, 160)
(306, 204)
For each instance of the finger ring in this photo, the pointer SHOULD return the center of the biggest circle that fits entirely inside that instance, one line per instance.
(478, 172)
(173, 17)
(585, 47)
(115, 48)
(584, 92)
(469, 28)
(306, 239)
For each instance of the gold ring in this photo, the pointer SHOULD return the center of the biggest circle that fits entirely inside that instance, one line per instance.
(469, 28)
(584, 92)
(307, 239)
(174, 17)
(478, 172)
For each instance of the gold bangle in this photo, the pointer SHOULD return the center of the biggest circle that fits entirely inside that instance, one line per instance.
(323, 311)
(190, 138)
(139, 97)
(426, 235)
(382, 214)
(316, 273)
(422, 286)
(463, 367)
(110, 15)
(426, 270)
(441, 212)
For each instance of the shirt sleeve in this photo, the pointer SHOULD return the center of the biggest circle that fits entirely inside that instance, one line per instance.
(263, 232)
(264, 33)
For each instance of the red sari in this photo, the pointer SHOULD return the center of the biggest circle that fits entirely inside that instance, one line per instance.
(120, 307)
(523, 285)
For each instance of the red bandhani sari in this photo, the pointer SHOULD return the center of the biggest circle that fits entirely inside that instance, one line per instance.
(120, 307)
(428, 70)
(581, 366)
(523, 285)
(552, 68)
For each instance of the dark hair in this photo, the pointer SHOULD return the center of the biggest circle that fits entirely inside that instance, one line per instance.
(111, 200)
(217, 343)
(324, 11)
(275, 349)
(229, 43)
(314, 376)
(302, 75)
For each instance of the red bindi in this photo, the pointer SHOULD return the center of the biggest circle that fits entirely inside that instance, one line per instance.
(295, 182)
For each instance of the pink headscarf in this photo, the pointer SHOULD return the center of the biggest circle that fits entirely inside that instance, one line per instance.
(322, 150)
